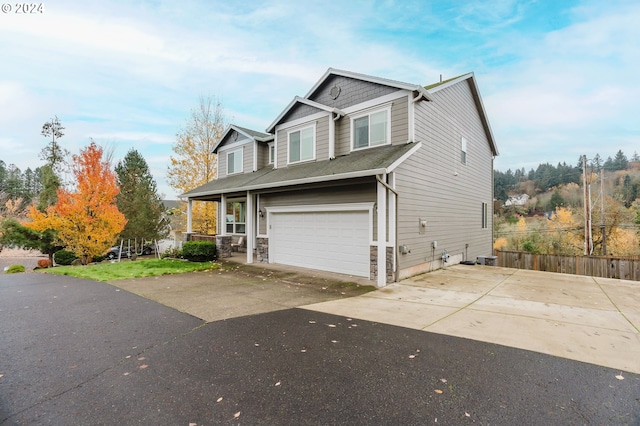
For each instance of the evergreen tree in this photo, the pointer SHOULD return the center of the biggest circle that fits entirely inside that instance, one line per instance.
(620, 161)
(138, 199)
(53, 154)
(48, 195)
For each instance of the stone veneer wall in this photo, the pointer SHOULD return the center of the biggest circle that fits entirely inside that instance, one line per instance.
(223, 246)
(373, 271)
(262, 249)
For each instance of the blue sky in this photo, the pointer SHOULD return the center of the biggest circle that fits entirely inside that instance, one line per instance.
(558, 78)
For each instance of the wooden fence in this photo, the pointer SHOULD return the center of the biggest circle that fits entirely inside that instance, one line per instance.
(626, 268)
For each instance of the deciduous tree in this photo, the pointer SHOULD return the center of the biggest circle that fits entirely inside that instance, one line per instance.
(194, 164)
(86, 220)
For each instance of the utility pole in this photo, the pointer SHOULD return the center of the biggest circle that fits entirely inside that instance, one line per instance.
(587, 209)
(604, 235)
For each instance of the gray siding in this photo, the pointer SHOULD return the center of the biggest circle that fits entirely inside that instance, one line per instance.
(322, 141)
(352, 92)
(299, 111)
(399, 127)
(355, 193)
(247, 159)
(263, 155)
(435, 185)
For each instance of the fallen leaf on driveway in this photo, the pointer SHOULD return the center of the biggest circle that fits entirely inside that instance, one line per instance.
(312, 322)
(443, 380)
(143, 366)
(277, 384)
(467, 414)
(219, 399)
(141, 358)
(620, 377)
(438, 391)
(412, 356)
(236, 415)
(331, 325)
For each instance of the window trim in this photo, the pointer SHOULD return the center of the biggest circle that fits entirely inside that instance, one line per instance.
(234, 223)
(368, 113)
(241, 151)
(300, 129)
(463, 150)
(485, 215)
(271, 153)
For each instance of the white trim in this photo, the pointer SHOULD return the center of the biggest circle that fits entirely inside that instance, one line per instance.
(271, 145)
(235, 172)
(255, 155)
(369, 78)
(368, 113)
(308, 208)
(376, 102)
(313, 143)
(411, 109)
(450, 83)
(275, 153)
(302, 121)
(249, 226)
(320, 207)
(382, 233)
(402, 159)
(234, 145)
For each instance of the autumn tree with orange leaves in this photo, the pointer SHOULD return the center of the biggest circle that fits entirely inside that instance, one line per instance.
(87, 220)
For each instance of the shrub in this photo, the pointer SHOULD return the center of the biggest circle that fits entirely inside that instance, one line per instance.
(199, 251)
(43, 263)
(64, 257)
(174, 253)
(14, 269)
(98, 259)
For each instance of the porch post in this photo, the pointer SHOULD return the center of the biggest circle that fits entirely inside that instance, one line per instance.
(189, 215)
(249, 226)
(222, 213)
(393, 220)
(382, 233)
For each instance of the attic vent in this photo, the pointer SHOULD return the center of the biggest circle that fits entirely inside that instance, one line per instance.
(335, 92)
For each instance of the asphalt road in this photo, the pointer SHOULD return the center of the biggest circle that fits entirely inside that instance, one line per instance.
(75, 352)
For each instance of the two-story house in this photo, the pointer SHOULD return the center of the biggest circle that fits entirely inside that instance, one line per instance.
(363, 176)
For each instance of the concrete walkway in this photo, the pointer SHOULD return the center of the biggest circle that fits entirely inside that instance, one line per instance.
(594, 320)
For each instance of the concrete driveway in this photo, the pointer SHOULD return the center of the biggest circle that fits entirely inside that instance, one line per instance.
(594, 320)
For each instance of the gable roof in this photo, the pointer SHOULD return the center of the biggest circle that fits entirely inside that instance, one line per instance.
(470, 77)
(250, 134)
(298, 100)
(336, 72)
(369, 78)
(367, 162)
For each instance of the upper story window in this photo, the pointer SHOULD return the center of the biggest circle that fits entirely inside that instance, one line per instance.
(371, 129)
(272, 153)
(302, 145)
(463, 151)
(234, 162)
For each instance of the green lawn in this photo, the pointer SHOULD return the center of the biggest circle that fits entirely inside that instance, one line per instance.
(107, 271)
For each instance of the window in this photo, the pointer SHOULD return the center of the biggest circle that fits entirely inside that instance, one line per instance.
(485, 215)
(236, 214)
(371, 129)
(302, 145)
(463, 151)
(272, 153)
(234, 162)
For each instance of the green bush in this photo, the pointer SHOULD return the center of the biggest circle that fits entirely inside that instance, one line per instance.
(14, 269)
(199, 251)
(98, 259)
(172, 253)
(64, 257)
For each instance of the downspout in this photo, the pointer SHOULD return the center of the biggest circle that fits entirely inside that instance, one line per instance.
(395, 243)
(332, 134)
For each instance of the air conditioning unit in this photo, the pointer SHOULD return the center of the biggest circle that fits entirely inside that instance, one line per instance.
(487, 260)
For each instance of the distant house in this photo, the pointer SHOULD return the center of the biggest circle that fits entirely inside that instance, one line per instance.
(174, 217)
(363, 176)
(517, 200)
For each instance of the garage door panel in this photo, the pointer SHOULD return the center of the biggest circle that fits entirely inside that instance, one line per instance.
(332, 241)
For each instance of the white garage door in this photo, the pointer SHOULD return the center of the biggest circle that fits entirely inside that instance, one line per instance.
(330, 241)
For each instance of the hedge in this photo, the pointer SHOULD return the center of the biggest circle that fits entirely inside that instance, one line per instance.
(199, 251)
